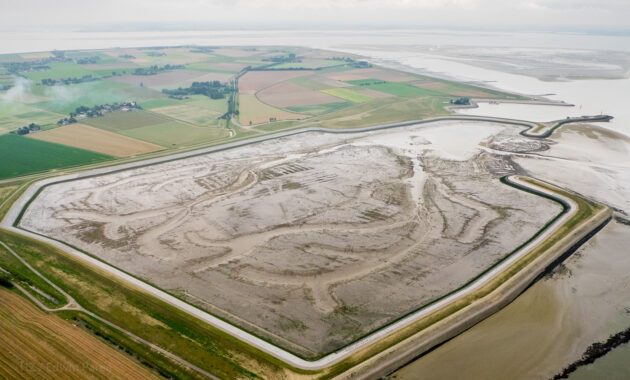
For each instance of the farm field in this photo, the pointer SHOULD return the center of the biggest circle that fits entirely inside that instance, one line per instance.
(121, 121)
(221, 67)
(371, 73)
(288, 94)
(171, 79)
(197, 110)
(307, 64)
(97, 140)
(255, 81)
(315, 87)
(253, 111)
(21, 155)
(59, 70)
(318, 82)
(348, 94)
(319, 109)
(65, 99)
(175, 134)
(395, 88)
(39, 345)
(14, 114)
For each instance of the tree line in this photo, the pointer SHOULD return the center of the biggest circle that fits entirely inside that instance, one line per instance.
(213, 90)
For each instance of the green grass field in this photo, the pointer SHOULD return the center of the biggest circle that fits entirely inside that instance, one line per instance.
(21, 273)
(396, 88)
(307, 64)
(122, 121)
(174, 134)
(320, 109)
(157, 103)
(21, 156)
(203, 116)
(59, 70)
(14, 115)
(383, 111)
(65, 99)
(347, 94)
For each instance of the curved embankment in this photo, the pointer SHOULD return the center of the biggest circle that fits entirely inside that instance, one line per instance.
(384, 338)
(545, 130)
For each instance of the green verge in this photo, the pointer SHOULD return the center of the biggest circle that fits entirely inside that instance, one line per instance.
(319, 109)
(20, 273)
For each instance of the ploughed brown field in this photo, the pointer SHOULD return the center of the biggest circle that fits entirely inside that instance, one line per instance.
(37, 345)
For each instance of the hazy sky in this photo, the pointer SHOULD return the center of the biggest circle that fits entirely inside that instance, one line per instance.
(238, 14)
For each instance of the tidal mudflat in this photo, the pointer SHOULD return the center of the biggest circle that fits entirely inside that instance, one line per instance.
(311, 240)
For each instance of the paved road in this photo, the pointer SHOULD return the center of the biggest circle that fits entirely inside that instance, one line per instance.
(263, 345)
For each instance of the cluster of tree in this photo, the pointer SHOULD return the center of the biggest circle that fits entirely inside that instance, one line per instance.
(156, 69)
(231, 109)
(87, 60)
(213, 90)
(66, 81)
(66, 121)
(461, 101)
(155, 54)
(34, 65)
(21, 67)
(83, 112)
(202, 49)
(291, 57)
(344, 59)
(371, 83)
(126, 56)
(25, 130)
(360, 64)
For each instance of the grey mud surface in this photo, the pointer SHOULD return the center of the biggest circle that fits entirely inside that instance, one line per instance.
(314, 240)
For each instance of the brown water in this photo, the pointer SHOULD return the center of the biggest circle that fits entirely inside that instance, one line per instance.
(614, 366)
(550, 325)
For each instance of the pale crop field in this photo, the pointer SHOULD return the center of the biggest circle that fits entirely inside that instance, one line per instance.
(43, 346)
(97, 140)
(252, 109)
(348, 94)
